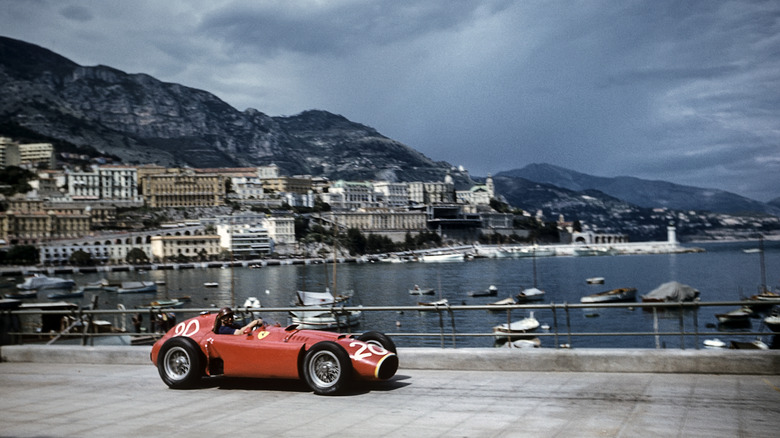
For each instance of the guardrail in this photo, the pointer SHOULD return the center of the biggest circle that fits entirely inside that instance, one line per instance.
(83, 324)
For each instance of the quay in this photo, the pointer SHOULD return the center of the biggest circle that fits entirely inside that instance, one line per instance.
(115, 391)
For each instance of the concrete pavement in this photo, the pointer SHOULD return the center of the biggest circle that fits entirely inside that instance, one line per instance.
(88, 400)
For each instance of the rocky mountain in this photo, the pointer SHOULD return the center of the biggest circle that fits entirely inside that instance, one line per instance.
(143, 120)
(600, 212)
(645, 193)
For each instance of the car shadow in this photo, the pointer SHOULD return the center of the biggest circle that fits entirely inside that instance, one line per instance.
(288, 385)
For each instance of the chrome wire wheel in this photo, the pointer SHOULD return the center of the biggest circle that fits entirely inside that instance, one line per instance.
(324, 369)
(177, 363)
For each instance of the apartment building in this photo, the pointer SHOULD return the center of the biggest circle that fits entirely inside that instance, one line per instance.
(181, 188)
(15, 154)
(167, 248)
(245, 241)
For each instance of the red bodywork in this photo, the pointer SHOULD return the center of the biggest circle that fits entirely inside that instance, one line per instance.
(274, 352)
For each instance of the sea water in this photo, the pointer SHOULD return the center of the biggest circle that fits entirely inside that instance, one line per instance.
(724, 272)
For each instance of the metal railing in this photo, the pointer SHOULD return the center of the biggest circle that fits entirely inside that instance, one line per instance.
(82, 323)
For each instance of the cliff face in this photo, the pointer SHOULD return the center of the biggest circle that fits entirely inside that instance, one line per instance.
(143, 120)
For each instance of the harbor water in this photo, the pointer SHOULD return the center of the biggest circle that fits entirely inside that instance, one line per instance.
(724, 272)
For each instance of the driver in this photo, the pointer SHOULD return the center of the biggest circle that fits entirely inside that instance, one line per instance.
(224, 324)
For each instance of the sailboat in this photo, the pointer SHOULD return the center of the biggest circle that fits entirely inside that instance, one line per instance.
(323, 310)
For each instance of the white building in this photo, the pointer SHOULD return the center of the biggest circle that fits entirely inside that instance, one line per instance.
(394, 195)
(107, 183)
(244, 241)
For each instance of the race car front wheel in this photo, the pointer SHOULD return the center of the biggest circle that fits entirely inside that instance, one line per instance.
(327, 368)
(380, 339)
(179, 362)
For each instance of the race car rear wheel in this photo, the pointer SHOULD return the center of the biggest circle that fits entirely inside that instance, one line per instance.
(327, 368)
(179, 362)
(380, 339)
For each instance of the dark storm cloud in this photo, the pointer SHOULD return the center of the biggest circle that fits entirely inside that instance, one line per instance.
(335, 27)
(682, 91)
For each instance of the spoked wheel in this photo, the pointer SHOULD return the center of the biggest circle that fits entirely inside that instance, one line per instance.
(327, 368)
(179, 362)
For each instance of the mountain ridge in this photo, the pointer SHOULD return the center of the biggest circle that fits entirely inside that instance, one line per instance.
(144, 120)
(644, 193)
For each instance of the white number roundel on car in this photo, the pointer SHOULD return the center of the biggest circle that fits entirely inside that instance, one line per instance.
(187, 329)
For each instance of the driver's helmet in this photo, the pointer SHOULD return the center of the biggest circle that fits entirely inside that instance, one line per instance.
(221, 316)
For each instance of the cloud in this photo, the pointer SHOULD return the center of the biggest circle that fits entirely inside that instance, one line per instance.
(683, 91)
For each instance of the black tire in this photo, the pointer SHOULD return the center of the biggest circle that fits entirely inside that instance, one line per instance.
(180, 363)
(380, 339)
(327, 368)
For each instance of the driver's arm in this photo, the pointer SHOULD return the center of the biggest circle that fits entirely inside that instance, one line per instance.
(247, 328)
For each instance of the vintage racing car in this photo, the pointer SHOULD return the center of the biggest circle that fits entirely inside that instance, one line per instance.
(327, 361)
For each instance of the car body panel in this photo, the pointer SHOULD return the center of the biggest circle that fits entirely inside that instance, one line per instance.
(272, 352)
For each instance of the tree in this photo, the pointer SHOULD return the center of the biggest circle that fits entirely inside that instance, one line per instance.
(356, 242)
(81, 258)
(23, 255)
(136, 256)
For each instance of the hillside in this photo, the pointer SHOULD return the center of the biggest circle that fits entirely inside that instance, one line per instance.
(645, 193)
(143, 120)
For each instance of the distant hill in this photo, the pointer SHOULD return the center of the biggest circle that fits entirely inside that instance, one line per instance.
(644, 193)
(143, 120)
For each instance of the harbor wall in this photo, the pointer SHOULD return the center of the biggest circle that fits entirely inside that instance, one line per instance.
(747, 362)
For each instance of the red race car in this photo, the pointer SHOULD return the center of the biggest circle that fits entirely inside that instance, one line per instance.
(327, 361)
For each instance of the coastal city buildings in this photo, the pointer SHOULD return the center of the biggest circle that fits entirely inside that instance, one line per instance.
(75, 210)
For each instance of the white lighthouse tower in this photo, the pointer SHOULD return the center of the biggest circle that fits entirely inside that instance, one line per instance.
(671, 234)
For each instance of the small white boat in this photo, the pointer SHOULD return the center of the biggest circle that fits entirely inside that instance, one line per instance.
(595, 280)
(773, 320)
(517, 328)
(490, 292)
(417, 290)
(441, 302)
(736, 317)
(714, 343)
(323, 311)
(442, 258)
(211, 284)
(42, 282)
(505, 302)
(530, 294)
(137, 287)
(611, 296)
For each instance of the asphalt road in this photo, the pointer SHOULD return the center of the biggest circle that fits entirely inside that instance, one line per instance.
(83, 400)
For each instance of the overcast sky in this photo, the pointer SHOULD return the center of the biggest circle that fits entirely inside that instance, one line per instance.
(682, 91)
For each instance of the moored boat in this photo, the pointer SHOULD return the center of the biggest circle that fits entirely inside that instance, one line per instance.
(517, 329)
(43, 282)
(490, 292)
(78, 293)
(417, 290)
(135, 287)
(441, 302)
(735, 318)
(323, 311)
(505, 302)
(772, 320)
(671, 291)
(443, 258)
(530, 294)
(595, 280)
(611, 296)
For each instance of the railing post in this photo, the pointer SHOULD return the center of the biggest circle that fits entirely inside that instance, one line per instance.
(568, 322)
(441, 326)
(555, 323)
(682, 326)
(655, 328)
(452, 322)
(696, 325)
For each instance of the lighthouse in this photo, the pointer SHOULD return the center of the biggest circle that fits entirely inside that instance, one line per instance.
(671, 234)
